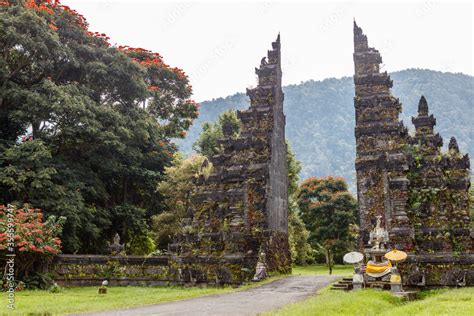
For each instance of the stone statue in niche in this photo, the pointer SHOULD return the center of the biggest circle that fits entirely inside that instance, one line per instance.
(379, 236)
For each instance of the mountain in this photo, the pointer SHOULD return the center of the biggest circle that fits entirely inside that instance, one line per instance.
(320, 116)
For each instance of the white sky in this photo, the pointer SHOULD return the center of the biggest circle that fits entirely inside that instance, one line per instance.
(218, 44)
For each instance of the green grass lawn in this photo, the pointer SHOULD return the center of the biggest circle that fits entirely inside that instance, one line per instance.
(454, 302)
(338, 269)
(81, 299)
(85, 299)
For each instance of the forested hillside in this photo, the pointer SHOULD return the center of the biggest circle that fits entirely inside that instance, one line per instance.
(320, 116)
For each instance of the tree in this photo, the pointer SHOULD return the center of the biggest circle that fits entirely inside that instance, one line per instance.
(298, 235)
(329, 211)
(301, 251)
(99, 118)
(176, 188)
(207, 142)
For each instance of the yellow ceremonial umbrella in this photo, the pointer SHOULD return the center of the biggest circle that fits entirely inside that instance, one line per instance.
(396, 255)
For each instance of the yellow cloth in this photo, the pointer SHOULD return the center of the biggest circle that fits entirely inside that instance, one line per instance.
(378, 267)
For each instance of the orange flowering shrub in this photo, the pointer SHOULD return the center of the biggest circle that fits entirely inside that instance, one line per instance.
(35, 240)
(31, 233)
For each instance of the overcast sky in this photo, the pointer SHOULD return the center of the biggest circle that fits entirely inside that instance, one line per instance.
(218, 44)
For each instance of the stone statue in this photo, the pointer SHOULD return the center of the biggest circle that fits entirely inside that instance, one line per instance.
(116, 247)
(357, 278)
(379, 236)
(261, 268)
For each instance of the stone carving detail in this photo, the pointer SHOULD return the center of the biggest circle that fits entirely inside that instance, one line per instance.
(420, 193)
(115, 247)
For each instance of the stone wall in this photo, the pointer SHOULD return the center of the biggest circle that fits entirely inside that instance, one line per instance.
(421, 193)
(91, 270)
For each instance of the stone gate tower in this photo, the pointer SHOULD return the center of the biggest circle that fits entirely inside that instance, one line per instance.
(241, 209)
(380, 140)
(421, 193)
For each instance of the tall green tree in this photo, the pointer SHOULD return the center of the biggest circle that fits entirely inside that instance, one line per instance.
(207, 142)
(86, 127)
(329, 212)
(176, 188)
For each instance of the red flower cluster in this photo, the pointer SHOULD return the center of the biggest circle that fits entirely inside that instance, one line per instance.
(180, 73)
(102, 36)
(32, 235)
(194, 104)
(147, 58)
(79, 18)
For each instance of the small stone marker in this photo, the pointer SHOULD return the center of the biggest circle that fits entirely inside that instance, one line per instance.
(103, 288)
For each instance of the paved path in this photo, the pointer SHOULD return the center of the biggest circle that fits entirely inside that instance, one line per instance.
(247, 302)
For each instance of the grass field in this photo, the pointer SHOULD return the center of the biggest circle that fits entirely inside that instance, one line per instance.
(455, 302)
(84, 299)
(338, 269)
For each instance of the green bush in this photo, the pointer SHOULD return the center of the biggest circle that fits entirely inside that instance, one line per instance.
(141, 244)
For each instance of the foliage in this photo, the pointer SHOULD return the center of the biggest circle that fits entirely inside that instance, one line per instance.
(86, 127)
(37, 280)
(207, 142)
(141, 244)
(301, 251)
(329, 211)
(294, 169)
(36, 241)
(320, 116)
(176, 188)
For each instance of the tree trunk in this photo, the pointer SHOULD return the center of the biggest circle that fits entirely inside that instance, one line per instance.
(35, 128)
(329, 260)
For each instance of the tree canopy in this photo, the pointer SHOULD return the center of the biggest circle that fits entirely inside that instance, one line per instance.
(206, 143)
(86, 126)
(329, 212)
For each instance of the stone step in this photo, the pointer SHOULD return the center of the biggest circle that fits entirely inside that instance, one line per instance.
(338, 289)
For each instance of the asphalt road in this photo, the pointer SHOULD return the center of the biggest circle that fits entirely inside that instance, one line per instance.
(256, 300)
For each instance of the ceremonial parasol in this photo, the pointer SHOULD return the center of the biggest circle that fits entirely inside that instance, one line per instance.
(353, 257)
(396, 255)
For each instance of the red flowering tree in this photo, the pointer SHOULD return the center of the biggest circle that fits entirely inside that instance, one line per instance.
(36, 240)
(106, 116)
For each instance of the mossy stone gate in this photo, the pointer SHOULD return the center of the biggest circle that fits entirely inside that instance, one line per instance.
(421, 193)
(241, 209)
